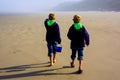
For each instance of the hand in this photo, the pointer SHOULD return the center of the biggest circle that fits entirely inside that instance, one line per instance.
(59, 42)
(87, 44)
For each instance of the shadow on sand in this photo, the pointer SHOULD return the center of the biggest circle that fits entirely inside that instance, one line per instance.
(23, 68)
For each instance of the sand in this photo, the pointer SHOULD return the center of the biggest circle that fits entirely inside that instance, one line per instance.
(23, 49)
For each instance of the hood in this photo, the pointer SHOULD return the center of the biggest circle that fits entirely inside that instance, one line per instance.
(50, 22)
(77, 26)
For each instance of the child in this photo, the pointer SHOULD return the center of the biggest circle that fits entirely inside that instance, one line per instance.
(52, 37)
(79, 37)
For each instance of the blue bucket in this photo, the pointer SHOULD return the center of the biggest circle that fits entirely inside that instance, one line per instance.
(58, 48)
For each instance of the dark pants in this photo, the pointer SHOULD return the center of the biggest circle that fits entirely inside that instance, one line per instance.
(80, 54)
(51, 48)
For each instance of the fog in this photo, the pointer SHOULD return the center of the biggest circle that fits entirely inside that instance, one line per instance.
(26, 6)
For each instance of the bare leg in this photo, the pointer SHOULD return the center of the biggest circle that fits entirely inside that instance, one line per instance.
(80, 67)
(80, 64)
(54, 58)
(73, 63)
(51, 60)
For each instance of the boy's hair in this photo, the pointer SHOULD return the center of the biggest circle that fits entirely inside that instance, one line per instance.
(76, 18)
(51, 16)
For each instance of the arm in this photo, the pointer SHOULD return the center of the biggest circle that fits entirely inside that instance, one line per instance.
(69, 35)
(86, 35)
(45, 22)
(58, 34)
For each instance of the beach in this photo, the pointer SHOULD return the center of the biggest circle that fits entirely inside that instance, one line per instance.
(23, 48)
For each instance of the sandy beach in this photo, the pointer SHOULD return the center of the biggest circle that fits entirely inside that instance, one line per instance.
(23, 49)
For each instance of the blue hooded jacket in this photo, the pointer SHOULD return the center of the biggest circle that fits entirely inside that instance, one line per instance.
(53, 32)
(78, 37)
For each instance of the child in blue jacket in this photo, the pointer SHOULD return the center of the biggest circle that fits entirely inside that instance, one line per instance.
(52, 37)
(79, 37)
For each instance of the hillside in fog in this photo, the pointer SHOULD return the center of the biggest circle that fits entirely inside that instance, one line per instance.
(89, 5)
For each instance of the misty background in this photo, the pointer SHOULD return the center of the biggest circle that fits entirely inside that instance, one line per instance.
(36, 6)
(26, 6)
(90, 5)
